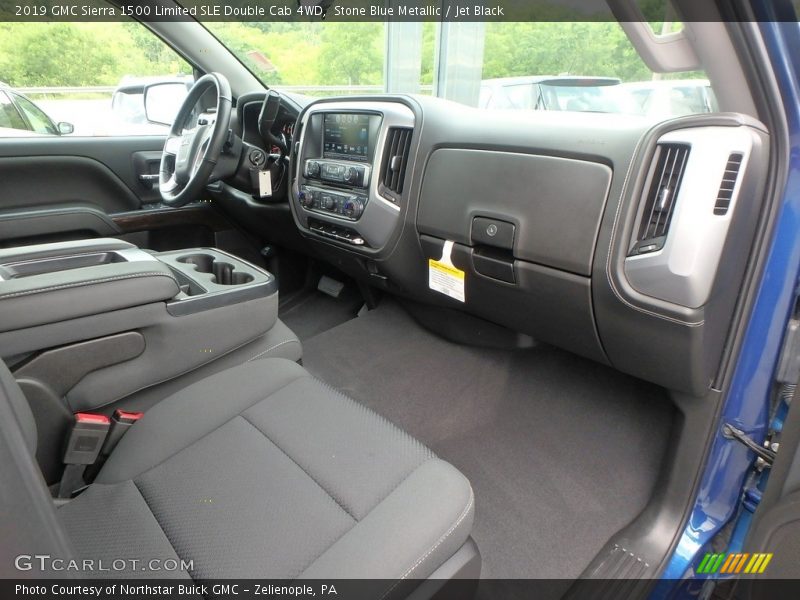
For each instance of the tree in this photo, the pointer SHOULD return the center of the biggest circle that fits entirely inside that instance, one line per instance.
(53, 54)
(82, 54)
(554, 48)
(351, 53)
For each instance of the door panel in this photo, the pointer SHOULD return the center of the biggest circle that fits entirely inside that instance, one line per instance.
(63, 188)
(58, 186)
(51, 162)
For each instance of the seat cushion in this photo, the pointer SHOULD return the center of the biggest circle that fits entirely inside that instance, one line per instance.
(264, 471)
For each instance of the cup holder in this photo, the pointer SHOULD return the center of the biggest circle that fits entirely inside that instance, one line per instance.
(222, 273)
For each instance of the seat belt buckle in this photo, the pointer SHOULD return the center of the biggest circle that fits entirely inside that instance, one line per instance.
(86, 438)
(121, 421)
(83, 447)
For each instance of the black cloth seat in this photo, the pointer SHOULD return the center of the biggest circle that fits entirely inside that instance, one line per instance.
(262, 471)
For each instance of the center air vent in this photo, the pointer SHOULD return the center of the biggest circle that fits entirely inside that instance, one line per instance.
(670, 163)
(725, 194)
(395, 160)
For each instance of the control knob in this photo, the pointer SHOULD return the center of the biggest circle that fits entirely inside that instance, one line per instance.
(306, 199)
(353, 207)
(351, 175)
(313, 168)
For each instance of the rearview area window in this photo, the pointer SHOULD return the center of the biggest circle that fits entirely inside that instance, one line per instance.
(82, 79)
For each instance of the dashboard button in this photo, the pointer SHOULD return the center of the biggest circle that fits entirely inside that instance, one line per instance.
(493, 232)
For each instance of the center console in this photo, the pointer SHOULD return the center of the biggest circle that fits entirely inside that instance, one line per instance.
(351, 162)
(51, 283)
(85, 323)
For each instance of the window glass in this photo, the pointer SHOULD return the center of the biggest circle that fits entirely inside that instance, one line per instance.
(316, 59)
(74, 72)
(565, 66)
(9, 117)
(39, 122)
(660, 15)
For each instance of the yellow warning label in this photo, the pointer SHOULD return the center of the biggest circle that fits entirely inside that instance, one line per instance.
(446, 279)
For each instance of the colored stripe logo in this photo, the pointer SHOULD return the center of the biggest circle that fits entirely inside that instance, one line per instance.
(734, 563)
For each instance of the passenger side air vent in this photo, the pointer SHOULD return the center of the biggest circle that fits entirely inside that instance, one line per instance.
(395, 160)
(725, 194)
(665, 182)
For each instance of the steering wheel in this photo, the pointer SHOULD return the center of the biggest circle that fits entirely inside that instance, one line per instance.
(192, 149)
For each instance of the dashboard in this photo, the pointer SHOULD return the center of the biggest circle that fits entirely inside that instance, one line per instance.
(350, 161)
(619, 238)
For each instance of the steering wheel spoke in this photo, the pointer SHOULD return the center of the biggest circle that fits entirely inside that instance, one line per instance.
(170, 185)
(172, 145)
(190, 155)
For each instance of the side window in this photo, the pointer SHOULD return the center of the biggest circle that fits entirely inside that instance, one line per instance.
(9, 117)
(87, 78)
(40, 122)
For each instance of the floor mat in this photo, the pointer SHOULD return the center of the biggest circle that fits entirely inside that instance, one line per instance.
(311, 312)
(561, 452)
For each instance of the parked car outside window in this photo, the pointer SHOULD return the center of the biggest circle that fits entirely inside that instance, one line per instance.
(18, 113)
(592, 94)
(673, 98)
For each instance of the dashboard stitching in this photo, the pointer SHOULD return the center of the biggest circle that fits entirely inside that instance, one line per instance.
(611, 248)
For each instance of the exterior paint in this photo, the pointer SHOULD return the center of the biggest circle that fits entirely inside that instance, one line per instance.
(748, 399)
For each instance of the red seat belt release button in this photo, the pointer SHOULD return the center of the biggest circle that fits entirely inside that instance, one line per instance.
(120, 423)
(125, 416)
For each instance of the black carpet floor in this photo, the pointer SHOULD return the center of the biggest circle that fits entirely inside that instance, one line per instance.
(309, 313)
(561, 452)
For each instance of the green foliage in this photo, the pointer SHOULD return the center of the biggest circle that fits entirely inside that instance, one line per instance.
(292, 49)
(581, 48)
(352, 53)
(309, 53)
(46, 54)
(429, 30)
(81, 54)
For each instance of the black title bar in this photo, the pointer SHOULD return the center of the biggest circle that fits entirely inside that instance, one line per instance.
(388, 10)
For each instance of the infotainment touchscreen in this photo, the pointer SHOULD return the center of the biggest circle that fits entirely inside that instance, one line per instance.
(346, 136)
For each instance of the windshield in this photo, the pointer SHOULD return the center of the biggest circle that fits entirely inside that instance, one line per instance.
(499, 65)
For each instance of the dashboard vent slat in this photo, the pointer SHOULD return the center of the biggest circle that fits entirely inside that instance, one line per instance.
(728, 184)
(395, 158)
(670, 164)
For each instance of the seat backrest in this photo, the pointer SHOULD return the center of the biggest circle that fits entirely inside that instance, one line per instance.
(28, 521)
(13, 395)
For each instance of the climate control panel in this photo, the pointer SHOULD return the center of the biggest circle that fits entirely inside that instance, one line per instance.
(349, 205)
(341, 172)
